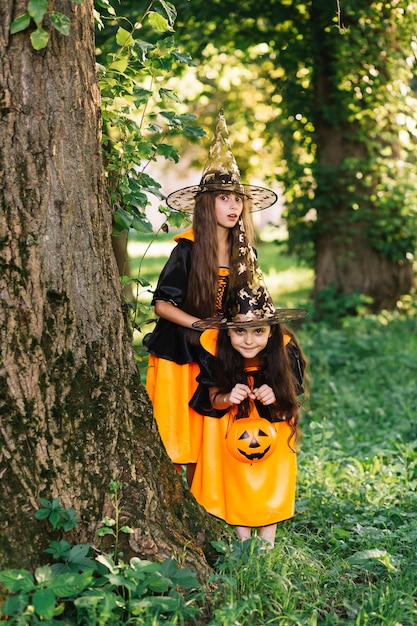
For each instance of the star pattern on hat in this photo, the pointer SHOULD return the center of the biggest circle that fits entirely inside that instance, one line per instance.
(220, 174)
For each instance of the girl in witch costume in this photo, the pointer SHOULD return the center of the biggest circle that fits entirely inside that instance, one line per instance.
(252, 370)
(192, 286)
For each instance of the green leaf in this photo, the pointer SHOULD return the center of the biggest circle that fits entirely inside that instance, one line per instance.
(123, 218)
(365, 557)
(120, 581)
(168, 94)
(78, 552)
(58, 549)
(142, 225)
(44, 603)
(37, 10)
(15, 605)
(124, 38)
(183, 57)
(20, 23)
(159, 584)
(43, 574)
(164, 603)
(170, 11)
(70, 519)
(47, 504)
(17, 580)
(105, 531)
(54, 519)
(168, 152)
(119, 66)
(127, 530)
(60, 22)
(39, 39)
(158, 22)
(69, 585)
(141, 565)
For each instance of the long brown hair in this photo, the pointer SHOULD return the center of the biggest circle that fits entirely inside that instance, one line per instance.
(276, 369)
(203, 278)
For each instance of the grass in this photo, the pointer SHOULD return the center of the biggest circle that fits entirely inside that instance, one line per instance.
(348, 555)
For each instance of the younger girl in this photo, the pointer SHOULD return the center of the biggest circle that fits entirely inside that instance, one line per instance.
(251, 373)
(191, 286)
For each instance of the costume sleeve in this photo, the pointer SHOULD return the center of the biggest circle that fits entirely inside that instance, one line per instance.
(169, 340)
(297, 367)
(173, 280)
(200, 401)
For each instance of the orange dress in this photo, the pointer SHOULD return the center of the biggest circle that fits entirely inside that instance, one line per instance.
(241, 493)
(173, 368)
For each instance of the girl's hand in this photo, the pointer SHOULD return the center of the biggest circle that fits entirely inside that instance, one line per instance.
(264, 394)
(239, 393)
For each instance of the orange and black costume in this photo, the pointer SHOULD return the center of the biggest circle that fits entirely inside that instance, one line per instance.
(242, 494)
(173, 361)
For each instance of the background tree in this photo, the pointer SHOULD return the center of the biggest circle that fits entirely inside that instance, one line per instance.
(343, 111)
(73, 413)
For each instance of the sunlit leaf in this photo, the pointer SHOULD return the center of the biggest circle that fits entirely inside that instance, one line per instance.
(169, 94)
(158, 22)
(43, 574)
(17, 579)
(39, 38)
(124, 38)
(119, 66)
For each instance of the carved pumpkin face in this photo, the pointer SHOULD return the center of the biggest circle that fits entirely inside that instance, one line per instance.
(251, 439)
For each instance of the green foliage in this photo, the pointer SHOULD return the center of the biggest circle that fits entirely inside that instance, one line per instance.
(333, 111)
(111, 526)
(37, 12)
(330, 305)
(83, 588)
(348, 556)
(57, 516)
(140, 111)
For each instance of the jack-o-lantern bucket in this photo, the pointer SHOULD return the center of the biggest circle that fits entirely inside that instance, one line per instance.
(251, 439)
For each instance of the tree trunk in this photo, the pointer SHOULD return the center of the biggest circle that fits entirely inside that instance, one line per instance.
(347, 195)
(73, 412)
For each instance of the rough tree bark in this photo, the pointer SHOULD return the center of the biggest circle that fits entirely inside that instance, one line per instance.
(73, 412)
(344, 256)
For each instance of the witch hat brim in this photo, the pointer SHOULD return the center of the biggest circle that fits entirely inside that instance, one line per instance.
(279, 316)
(259, 197)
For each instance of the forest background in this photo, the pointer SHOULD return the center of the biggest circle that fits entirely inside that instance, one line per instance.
(333, 127)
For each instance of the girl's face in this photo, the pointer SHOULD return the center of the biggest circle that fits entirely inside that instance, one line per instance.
(249, 341)
(228, 207)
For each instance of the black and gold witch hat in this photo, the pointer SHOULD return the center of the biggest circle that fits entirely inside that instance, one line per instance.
(221, 173)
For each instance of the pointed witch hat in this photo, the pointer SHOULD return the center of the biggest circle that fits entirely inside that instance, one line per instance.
(248, 301)
(221, 173)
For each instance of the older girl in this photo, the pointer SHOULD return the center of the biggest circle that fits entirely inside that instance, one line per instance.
(192, 286)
